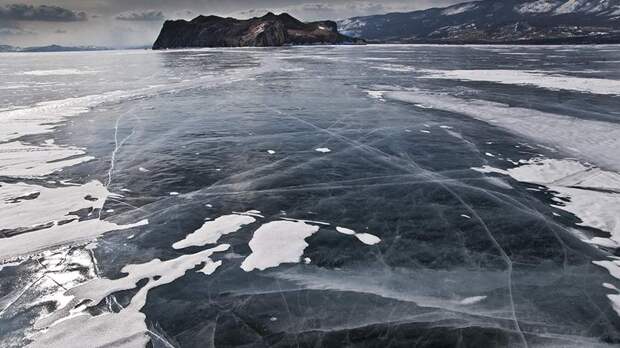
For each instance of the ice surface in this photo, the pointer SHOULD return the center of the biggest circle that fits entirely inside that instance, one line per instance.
(592, 194)
(591, 140)
(462, 258)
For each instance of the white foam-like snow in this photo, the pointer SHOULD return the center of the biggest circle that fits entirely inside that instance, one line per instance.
(531, 78)
(73, 232)
(211, 231)
(593, 194)
(366, 238)
(613, 267)
(21, 160)
(56, 72)
(593, 141)
(472, 300)
(394, 68)
(18, 208)
(277, 242)
(345, 231)
(126, 328)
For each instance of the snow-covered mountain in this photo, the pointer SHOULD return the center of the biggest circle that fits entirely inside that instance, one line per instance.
(492, 21)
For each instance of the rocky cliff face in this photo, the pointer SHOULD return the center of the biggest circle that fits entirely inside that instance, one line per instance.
(269, 30)
(491, 21)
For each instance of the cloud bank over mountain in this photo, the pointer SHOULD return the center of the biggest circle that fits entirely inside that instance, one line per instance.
(122, 23)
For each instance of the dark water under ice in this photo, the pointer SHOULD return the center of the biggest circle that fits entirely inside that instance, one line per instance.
(465, 258)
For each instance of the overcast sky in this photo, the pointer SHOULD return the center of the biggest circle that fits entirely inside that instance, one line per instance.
(122, 23)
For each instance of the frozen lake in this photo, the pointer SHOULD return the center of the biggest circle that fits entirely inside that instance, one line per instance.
(366, 196)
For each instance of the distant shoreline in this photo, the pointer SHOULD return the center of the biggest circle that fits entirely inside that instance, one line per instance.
(451, 44)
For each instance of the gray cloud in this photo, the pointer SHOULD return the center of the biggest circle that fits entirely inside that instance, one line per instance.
(122, 23)
(309, 10)
(144, 16)
(10, 28)
(43, 13)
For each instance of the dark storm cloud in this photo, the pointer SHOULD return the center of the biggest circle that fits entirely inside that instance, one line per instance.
(43, 13)
(144, 16)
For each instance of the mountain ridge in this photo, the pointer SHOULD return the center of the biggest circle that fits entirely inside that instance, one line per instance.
(488, 21)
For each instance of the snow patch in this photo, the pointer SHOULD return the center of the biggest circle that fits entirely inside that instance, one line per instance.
(595, 141)
(458, 9)
(531, 78)
(277, 242)
(211, 231)
(472, 300)
(366, 238)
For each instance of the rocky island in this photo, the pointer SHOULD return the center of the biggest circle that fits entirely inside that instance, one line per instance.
(269, 30)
